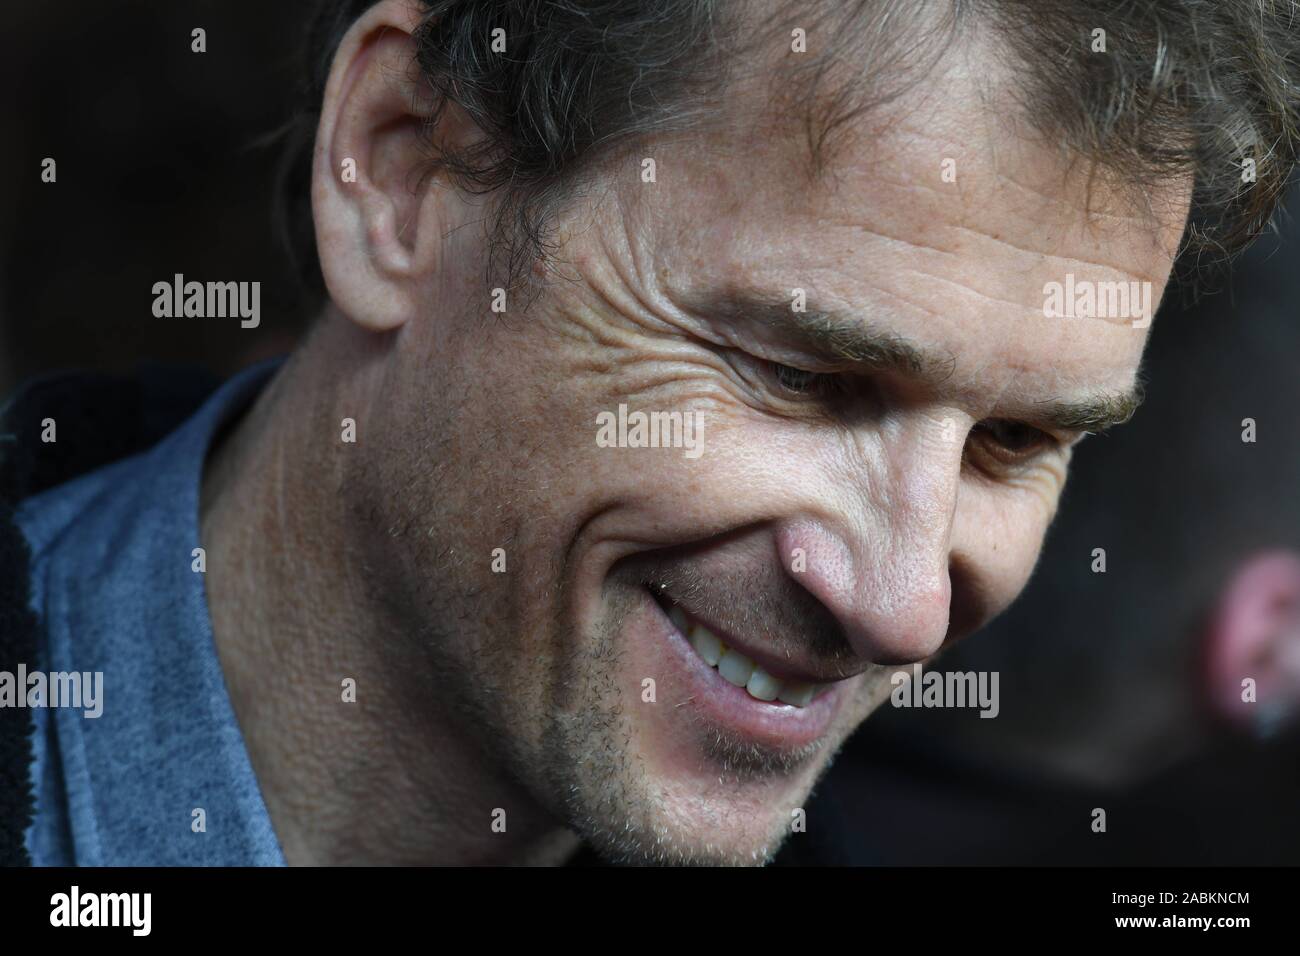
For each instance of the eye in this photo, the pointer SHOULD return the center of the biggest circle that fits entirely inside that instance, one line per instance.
(1009, 442)
(794, 379)
(798, 381)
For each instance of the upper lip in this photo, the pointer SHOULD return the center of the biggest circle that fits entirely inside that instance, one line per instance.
(781, 667)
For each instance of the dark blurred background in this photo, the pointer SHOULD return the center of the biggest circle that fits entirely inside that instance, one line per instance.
(163, 166)
(1112, 686)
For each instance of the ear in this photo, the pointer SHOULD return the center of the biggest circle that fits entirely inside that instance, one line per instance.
(378, 230)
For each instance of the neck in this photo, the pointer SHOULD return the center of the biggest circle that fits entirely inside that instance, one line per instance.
(383, 777)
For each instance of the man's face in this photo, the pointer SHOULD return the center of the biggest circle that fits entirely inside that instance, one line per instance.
(823, 528)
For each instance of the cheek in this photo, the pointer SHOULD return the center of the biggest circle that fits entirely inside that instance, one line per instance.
(998, 533)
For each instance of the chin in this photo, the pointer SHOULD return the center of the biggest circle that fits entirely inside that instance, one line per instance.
(700, 767)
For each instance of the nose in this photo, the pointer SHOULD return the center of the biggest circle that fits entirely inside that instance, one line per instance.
(879, 560)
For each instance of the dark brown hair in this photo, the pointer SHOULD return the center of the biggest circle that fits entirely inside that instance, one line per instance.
(1190, 88)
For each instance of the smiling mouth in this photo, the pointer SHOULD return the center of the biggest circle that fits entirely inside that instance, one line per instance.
(737, 668)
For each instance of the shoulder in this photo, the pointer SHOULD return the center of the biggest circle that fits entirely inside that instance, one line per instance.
(77, 451)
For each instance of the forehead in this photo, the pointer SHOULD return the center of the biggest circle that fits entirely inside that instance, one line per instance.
(938, 217)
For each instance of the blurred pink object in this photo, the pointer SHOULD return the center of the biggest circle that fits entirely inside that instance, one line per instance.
(1254, 635)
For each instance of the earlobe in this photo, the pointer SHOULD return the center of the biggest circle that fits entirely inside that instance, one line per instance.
(366, 167)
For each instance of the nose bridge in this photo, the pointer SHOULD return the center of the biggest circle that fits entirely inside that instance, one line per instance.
(877, 555)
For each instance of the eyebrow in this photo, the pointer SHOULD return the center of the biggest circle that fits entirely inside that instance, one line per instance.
(839, 336)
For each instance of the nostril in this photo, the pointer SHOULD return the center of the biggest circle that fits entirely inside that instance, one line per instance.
(817, 559)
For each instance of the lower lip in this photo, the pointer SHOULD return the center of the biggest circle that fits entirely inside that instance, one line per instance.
(694, 684)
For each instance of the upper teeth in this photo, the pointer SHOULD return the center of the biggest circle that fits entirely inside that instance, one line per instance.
(739, 669)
